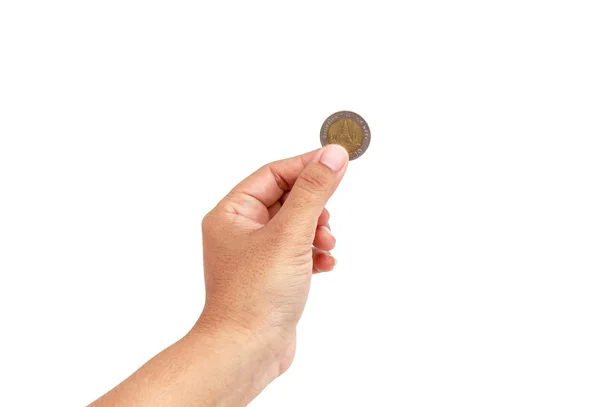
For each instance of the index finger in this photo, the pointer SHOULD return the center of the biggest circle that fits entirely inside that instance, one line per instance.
(271, 181)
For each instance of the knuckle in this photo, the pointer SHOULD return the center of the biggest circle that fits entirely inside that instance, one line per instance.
(313, 181)
(282, 184)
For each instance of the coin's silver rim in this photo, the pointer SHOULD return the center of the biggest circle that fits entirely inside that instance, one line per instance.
(352, 116)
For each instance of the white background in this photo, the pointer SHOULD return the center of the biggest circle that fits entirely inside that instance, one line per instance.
(468, 234)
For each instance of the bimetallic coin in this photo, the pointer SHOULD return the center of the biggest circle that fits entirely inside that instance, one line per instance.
(349, 130)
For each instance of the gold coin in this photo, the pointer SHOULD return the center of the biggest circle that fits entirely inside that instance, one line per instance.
(347, 129)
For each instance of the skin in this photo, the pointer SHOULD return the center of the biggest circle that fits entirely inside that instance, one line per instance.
(262, 244)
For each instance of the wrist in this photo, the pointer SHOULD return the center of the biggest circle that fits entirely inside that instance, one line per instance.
(248, 358)
(274, 344)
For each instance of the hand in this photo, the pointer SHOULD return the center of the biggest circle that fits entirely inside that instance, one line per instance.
(263, 242)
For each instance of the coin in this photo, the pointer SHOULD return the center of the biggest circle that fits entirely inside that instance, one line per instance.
(349, 130)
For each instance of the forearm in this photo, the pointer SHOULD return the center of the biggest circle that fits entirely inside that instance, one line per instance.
(208, 367)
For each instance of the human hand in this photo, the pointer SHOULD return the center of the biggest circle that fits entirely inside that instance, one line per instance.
(263, 242)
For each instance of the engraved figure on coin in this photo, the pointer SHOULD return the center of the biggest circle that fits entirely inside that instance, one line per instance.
(346, 137)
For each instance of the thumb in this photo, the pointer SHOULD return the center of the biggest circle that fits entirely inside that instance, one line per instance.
(312, 189)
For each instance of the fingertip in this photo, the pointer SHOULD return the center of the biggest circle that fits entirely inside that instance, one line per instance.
(334, 156)
(324, 239)
(323, 262)
(324, 218)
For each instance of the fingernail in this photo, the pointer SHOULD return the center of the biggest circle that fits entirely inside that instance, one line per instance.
(327, 229)
(334, 261)
(334, 156)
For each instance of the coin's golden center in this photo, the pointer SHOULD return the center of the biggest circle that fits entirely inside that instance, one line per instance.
(346, 132)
